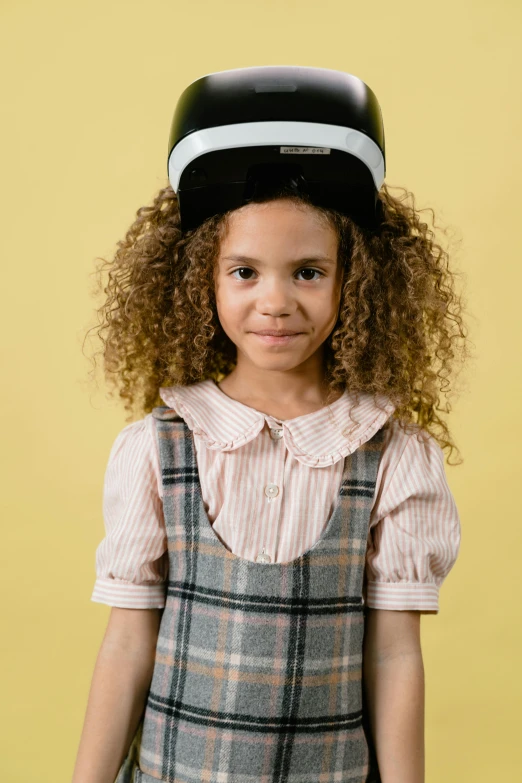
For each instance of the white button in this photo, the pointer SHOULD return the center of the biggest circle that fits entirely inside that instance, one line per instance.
(276, 434)
(271, 490)
(263, 557)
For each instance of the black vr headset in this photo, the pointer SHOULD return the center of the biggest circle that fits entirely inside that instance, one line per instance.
(238, 134)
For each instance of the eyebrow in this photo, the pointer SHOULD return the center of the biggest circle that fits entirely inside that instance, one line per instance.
(300, 261)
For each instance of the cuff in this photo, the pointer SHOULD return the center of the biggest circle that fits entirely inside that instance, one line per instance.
(127, 595)
(422, 596)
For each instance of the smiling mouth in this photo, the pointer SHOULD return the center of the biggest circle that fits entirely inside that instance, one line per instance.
(274, 333)
(277, 339)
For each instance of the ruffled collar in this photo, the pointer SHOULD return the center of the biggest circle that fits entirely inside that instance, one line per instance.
(316, 439)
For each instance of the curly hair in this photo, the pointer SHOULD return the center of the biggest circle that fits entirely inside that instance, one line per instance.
(398, 333)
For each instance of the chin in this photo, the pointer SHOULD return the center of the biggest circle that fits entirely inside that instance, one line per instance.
(280, 363)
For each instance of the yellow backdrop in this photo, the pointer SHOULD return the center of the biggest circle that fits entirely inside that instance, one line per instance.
(88, 91)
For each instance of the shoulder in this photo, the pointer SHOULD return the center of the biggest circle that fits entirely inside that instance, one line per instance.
(133, 460)
(135, 443)
(409, 441)
(411, 465)
(136, 433)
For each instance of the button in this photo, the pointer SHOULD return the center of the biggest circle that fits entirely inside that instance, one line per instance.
(263, 557)
(271, 490)
(276, 434)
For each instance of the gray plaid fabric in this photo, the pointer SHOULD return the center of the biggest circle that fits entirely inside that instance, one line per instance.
(258, 670)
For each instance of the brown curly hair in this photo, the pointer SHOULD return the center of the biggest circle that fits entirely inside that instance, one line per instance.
(398, 333)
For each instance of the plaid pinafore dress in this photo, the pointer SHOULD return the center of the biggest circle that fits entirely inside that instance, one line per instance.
(258, 669)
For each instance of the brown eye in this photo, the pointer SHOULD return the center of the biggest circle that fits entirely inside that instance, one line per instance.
(243, 269)
(308, 271)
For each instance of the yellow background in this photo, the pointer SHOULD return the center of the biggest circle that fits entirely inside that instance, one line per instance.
(88, 92)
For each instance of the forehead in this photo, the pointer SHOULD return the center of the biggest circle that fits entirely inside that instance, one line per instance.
(278, 227)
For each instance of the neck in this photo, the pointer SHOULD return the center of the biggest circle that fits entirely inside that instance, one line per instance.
(279, 393)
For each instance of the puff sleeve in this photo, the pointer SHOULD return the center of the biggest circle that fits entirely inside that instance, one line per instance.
(415, 532)
(132, 559)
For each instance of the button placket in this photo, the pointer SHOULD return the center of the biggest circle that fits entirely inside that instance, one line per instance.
(272, 492)
(275, 428)
(263, 557)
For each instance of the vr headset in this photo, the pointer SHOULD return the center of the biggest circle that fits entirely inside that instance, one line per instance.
(237, 134)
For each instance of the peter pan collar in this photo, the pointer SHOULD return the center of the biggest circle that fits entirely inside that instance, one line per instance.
(316, 439)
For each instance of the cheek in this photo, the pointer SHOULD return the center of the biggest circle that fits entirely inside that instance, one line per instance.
(325, 307)
(229, 307)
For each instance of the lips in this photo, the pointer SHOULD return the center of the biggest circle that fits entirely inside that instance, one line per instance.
(272, 337)
(274, 333)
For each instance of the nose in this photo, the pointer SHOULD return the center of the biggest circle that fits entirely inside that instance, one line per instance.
(274, 298)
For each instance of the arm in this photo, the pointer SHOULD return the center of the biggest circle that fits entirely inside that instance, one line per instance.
(119, 688)
(393, 678)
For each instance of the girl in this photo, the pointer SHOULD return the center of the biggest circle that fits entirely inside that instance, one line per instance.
(278, 518)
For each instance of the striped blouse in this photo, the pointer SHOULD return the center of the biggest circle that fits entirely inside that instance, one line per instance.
(269, 487)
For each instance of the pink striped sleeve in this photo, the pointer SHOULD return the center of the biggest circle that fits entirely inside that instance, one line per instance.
(415, 529)
(132, 559)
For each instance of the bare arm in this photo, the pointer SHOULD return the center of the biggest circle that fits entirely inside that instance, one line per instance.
(119, 688)
(393, 675)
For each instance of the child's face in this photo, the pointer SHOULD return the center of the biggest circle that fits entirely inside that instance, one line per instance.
(291, 281)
